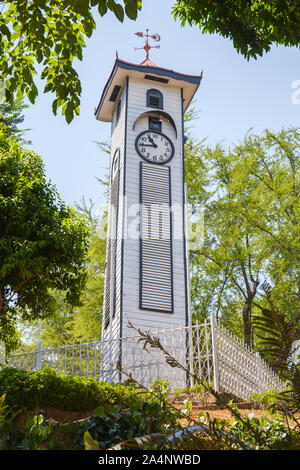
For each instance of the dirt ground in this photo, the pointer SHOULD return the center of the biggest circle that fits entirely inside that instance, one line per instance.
(56, 415)
(206, 404)
(225, 414)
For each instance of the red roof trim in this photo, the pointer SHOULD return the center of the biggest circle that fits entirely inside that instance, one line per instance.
(160, 68)
(194, 78)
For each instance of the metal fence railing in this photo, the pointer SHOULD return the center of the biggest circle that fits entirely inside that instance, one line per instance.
(207, 350)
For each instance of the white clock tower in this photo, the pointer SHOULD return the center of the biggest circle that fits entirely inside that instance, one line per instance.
(146, 263)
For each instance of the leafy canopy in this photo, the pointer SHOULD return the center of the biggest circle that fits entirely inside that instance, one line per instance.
(11, 117)
(252, 226)
(253, 25)
(43, 242)
(69, 323)
(50, 33)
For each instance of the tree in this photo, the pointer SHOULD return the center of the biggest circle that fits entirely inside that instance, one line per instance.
(252, 226)
(84, 321)
(50, 33)
(87, 319)
(253, 26)
(43, 242)
(11, 116)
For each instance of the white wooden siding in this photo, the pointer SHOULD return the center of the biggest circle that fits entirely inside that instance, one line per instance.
(147, 319)
(117, 142)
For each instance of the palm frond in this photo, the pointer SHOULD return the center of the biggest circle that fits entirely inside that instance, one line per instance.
(276, 333)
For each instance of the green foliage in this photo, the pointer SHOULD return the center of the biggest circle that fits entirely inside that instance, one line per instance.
(3, 408)
(36, 432)
(252, 227)
(32, 437)
(115, 427)
(89, 442)
(11, 116)
(49, 36)
(119, 429)
(69, 323)
(121, 411)
(240, 433)
(276, 333)
(291, 396)
(252, 26)
(263, 434)
(26, 390)
(87, 319)
(43, 242)
(265, 400)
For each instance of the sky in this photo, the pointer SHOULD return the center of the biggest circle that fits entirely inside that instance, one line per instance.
(234, 96)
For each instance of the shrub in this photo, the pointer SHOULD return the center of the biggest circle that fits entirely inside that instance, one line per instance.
(265, 400)
(25, 390)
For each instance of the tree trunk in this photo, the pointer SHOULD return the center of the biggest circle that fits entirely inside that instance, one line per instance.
(247, 314)
(247, 321)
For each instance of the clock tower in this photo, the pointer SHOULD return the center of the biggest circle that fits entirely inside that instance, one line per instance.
(146, 263)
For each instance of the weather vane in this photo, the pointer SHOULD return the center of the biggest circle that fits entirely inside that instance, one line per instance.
(155, 37)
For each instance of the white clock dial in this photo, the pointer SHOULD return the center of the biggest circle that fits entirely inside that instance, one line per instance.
(154, 147)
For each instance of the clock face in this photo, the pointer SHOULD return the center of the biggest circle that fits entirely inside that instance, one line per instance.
(154, 147)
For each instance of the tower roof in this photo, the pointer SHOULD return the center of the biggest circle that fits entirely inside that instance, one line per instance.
(146, 70)
(148, 63)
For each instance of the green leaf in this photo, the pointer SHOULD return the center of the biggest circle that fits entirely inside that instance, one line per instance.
(89, 442)
(2, 399)
(119, 12)
(131, 9)
(32, 96)
(102, 7)
(69, 114)
(54, 107)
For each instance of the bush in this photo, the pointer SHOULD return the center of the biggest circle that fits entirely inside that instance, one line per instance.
(25, 390)
(265, 400)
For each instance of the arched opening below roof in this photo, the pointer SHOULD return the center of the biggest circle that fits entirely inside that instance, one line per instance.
(158, 113)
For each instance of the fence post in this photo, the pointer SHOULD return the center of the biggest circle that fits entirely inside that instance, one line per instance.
(215, 354)
(191, 355)
(38, 355)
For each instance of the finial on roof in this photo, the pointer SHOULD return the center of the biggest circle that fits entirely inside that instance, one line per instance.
(147, 47)
(117, 55)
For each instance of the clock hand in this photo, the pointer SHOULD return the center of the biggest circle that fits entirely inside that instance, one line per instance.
(148, 145)
(152, 141)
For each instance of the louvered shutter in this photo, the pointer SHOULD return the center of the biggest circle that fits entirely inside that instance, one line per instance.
(156, 289)
(154, 99)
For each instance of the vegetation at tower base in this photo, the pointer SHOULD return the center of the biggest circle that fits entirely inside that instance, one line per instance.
(43, 241)
(277, 334)
(252, 26)
(49, 36)
(252, 224)
(129, 416)
(124, 417)
(26, 390)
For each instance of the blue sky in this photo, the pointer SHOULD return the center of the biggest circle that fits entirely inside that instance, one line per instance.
(234, 96)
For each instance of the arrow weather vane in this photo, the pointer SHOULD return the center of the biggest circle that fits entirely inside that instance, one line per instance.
(155, 37)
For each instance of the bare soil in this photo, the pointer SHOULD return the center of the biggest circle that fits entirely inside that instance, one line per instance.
(55, 415)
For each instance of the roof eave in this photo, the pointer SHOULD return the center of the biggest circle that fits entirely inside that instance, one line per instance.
(193, 80)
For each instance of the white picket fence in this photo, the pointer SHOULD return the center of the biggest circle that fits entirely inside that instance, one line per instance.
(207, 350)
(239, 370)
